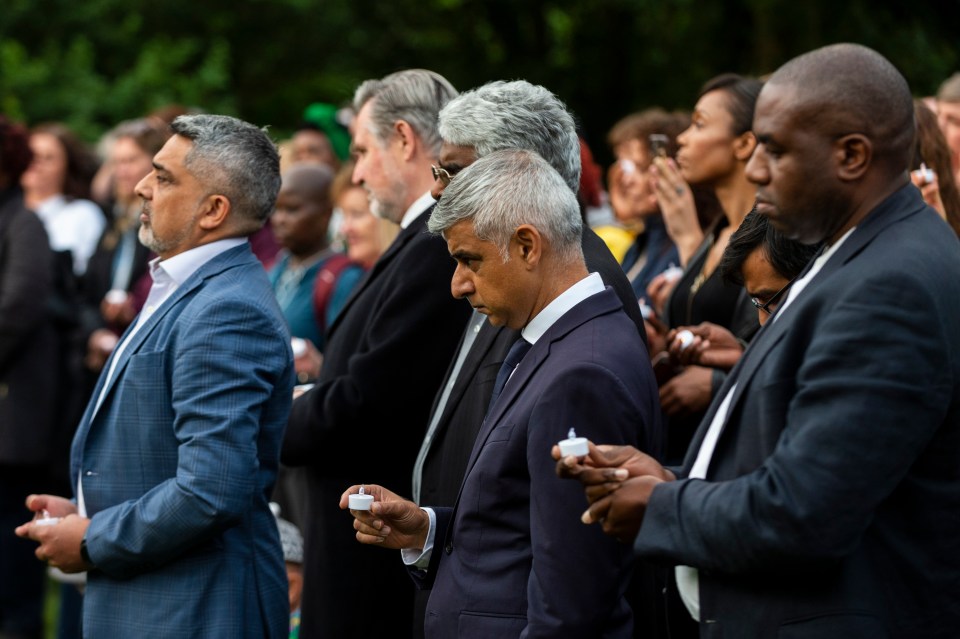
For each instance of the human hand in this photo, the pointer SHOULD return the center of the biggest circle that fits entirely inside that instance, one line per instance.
(677, 206)
(712, 346)
(308, 362)
(59, 543)
(929, 185)
(116, 311)
(656, 335)
(660, 287)
(99, 347)
(606, 465)
(55, 506)
(687, 392)
(391, 522)
(621, 511)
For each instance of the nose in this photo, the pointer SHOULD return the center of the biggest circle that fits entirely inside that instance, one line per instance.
(757, 170)
(437, 189)
(357, 176)
(682, 138)
(461, 285)
(142, 188)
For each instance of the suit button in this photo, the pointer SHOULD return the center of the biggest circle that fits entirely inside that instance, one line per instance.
(448, 548)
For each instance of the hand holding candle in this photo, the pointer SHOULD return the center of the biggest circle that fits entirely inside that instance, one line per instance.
(361, 500)
(386, 519)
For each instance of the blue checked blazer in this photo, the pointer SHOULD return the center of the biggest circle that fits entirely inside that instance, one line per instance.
(178, 463)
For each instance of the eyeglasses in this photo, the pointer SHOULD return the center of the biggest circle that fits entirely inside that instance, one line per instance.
(441, 174)
(765, 306)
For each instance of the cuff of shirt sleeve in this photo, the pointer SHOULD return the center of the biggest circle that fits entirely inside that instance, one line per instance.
(420, 558)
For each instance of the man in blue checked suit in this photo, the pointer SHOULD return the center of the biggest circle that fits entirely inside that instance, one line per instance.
(178, 449)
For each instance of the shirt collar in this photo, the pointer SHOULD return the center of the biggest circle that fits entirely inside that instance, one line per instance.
(818, 264)
(588, 286)
(422, 203)
(181, 266)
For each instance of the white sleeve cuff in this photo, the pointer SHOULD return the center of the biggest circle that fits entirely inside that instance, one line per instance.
(420, 558)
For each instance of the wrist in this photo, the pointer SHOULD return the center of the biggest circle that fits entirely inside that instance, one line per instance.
(85, 553)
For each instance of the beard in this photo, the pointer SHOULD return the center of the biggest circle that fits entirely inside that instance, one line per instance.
(162, 245)
(388, 204)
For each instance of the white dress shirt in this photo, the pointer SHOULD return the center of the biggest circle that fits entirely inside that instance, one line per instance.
(74, 226)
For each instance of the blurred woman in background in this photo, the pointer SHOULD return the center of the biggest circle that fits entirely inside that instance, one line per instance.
(365, 235)
(56, 186)
(932, 172)
(713, 152)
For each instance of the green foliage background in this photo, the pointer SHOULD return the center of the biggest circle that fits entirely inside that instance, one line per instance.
(95, 62)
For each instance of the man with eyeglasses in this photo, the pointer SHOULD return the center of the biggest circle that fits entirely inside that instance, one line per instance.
(385, 356)
(765, 262)
(820, 496)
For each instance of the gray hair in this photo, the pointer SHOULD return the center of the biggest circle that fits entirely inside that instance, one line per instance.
(505, 189)
(949, 91)
(515, 115)
(414, 96)
(236, 159)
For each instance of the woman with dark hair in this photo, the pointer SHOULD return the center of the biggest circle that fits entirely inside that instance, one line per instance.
(56, 186)
(932, 172)
(28, 385)
(713, 153)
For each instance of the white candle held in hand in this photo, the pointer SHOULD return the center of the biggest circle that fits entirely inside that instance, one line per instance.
(686, 339)
(573, 445)
(360, 501)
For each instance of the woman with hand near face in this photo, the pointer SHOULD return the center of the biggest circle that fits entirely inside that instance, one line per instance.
(713, 153)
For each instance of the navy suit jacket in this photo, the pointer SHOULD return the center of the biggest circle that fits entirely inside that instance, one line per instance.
(832, 501)
(456, 431)
(178, 463)
(511, 558)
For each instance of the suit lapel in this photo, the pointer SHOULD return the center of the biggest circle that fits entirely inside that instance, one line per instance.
(478, 351)
(219, 263)
(903, 203)
(592, 307)
(403, 238)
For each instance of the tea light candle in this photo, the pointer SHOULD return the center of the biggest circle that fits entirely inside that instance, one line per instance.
(116, 296)
(45, 519)
(573, 445)
(360, 501)
(299, 347)
(686, 339)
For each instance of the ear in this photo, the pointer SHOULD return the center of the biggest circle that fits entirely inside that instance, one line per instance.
(744, 145)
(407, 139)
(527, 245)
(214, 212)
(854, 153)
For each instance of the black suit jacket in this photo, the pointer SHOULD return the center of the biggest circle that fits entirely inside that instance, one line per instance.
(364, 421)
(832, 501)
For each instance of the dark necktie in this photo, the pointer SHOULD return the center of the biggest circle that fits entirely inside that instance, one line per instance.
(517, 351)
